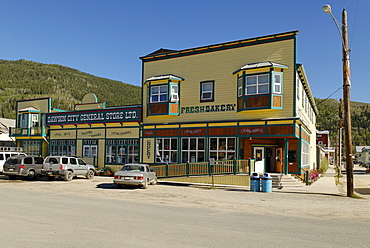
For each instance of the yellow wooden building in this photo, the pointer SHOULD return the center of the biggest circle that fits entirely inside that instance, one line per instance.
(244, 99)
(234, 100)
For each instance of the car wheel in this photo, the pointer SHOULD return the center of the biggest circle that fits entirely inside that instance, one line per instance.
(51, 178)
(68, 176)
(12, 177)
(90, 174)
(154, 182)
(145, 185)
(31, 175)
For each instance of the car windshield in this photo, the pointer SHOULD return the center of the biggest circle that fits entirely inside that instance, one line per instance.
(132, 168)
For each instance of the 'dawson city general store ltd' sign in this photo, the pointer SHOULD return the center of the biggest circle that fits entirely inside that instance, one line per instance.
(95, 116)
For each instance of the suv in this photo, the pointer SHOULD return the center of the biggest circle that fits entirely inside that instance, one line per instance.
(25, 166)
(67, 167)
(6, 152)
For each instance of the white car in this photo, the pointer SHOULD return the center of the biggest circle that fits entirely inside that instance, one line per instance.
(135, 174)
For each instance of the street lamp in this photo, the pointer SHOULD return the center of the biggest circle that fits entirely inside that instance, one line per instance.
(346, 95)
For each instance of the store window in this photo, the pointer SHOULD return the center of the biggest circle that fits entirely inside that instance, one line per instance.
(122, 151)
(193, 150)
(207, 91)
(63, 147)
(166, 150)
(90, 148)
(32, 147)
(222, 148)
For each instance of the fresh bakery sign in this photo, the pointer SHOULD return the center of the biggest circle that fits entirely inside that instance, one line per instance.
(96, 116)
(208, 108)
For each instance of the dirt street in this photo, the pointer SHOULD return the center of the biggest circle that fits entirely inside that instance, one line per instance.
(226, 198)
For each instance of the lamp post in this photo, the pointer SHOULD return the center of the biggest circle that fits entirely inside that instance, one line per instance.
(346, 96)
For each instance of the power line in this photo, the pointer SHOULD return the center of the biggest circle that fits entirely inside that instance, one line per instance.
(328, 96)
(354, 23)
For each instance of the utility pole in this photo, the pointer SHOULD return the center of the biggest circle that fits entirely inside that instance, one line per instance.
(340, 136)
(347, 105)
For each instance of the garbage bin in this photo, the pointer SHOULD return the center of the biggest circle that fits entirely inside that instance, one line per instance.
(266, 183)
(255, 182)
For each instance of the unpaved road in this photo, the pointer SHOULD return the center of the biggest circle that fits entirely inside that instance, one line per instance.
(93, 213)
(224, 198)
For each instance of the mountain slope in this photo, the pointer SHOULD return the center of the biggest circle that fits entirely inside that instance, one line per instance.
(22, 79)
(328, 119)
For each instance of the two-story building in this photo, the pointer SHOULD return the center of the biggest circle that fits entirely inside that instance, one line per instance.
(244, 99)
(102, 136)
(234, 100)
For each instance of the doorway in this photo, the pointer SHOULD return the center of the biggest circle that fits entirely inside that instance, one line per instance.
(259, 155)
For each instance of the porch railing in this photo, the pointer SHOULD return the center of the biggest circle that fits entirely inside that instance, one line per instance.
(236, 166)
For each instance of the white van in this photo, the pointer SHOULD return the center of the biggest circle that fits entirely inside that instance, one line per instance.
(6, 152)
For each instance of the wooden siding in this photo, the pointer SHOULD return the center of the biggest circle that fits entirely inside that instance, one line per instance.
(167, 132)
(222, 131)
(174, 108)
(257, 102)
(219, 66)
(280, 130)
(276, 101)
(159, 108)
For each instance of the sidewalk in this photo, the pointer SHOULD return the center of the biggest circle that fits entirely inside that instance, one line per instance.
(328, 184)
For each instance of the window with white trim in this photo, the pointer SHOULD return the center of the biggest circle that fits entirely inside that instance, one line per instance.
(159, 93)
(90, 148)
(222, 148)
(166, 150)
(277, 83)
(207, 91)
(174, 93)
(122, 151)
(63, 147)
(240, 86)
(193, 150)
(257, 84)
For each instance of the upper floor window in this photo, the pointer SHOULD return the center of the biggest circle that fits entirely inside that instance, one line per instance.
(174, 93)
(159, 93)
(207, 91)
(257, 84)
(277, 83)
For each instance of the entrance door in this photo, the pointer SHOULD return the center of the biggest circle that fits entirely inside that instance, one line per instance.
(279, 160)
(259, 155)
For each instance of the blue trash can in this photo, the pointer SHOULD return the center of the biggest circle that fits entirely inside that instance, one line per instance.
(266, 183)
(255, 182)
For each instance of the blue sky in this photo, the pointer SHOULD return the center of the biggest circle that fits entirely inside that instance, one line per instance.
(106, 38)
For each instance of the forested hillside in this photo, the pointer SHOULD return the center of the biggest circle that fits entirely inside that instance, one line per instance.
(328, 119)
(23, 79)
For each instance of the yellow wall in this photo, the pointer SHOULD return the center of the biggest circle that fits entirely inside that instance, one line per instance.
(62, 134)
(219, 66)
(148, 150)
(40, 104)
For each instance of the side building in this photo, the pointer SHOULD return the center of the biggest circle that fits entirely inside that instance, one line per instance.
(102, 136)
(235, 100)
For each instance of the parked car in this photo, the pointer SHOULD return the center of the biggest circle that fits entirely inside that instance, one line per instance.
(25, 166)
(66, 167)
(4, 155)
(135, 174)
